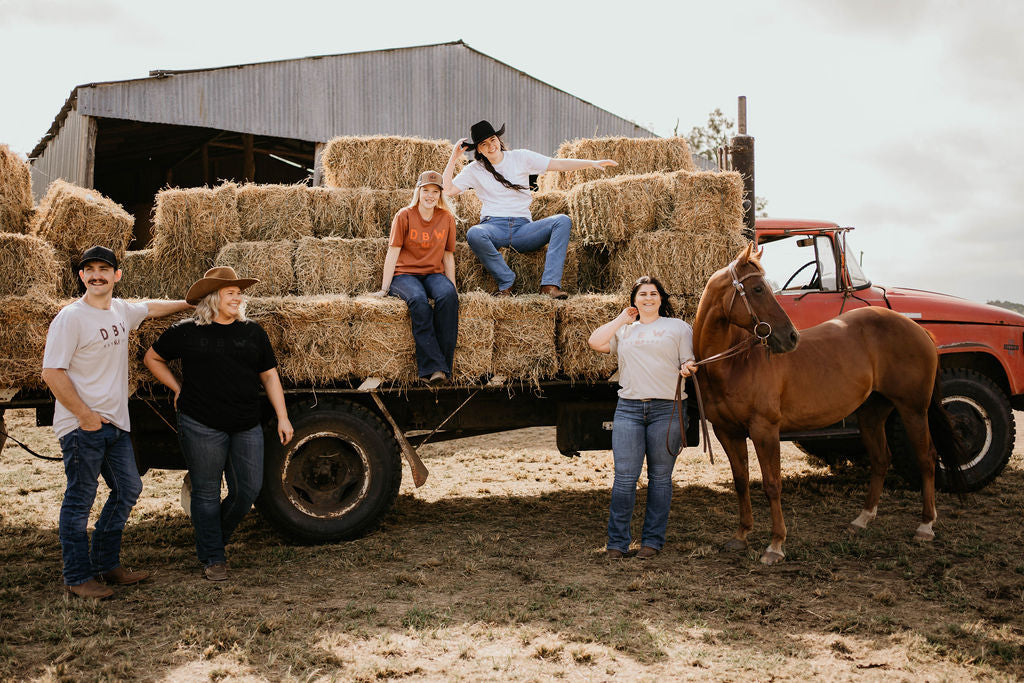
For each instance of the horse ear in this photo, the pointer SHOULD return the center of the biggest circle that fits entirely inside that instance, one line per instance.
(745, 254)
(759, 252)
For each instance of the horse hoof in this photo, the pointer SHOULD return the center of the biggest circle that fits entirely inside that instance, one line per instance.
(855, 529)
(771, 557)
(924, 535)
(736, 545)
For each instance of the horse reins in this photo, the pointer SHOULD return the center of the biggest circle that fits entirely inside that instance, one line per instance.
(761, 335)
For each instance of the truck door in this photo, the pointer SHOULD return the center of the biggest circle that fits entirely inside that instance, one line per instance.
(805, 275)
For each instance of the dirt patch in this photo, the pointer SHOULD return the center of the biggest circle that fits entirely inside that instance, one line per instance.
(494, 570)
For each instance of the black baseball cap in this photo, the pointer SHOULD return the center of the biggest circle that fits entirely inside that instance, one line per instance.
(98, 253)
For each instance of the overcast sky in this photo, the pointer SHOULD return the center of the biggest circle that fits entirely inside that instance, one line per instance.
(899, 117)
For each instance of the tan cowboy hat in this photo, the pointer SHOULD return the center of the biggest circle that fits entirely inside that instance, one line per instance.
(214, 279)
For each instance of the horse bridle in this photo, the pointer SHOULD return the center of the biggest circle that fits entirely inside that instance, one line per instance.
(762, 331)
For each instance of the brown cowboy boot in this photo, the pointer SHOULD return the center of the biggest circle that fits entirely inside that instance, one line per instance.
(124, 577)
(90, 589)
(554, 291)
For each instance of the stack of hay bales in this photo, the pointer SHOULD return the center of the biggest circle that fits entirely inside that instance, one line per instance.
(73, 219)
(318, 251)
(15, 192)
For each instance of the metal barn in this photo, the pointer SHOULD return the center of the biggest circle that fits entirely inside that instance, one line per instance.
(265, 122)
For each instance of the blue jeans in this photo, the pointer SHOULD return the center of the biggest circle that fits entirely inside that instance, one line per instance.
(522, 235)
(434, 329)
(210, 453)
(106, 452)
(639, 428)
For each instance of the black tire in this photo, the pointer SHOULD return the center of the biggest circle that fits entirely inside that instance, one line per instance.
(834, 452)
(337, 478)
(981, 417)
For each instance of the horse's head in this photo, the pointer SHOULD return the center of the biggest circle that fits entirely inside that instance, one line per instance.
(740, 294)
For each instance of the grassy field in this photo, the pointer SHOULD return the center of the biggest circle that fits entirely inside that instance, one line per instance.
(494, 570)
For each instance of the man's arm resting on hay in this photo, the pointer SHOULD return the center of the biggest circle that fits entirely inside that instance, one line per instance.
(577, 164)
(158, 309)
(64, 391)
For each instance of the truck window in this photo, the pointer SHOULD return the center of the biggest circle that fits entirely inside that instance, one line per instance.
(799, 263)
(858, 279)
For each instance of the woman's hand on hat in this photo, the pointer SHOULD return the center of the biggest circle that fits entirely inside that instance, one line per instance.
(460, 146)
(602, 163)
(285, 431)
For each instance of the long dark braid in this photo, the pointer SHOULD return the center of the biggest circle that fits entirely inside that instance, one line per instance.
(497, 176)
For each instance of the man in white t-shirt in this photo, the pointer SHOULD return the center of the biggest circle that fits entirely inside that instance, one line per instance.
(86, 367)
(501, 178)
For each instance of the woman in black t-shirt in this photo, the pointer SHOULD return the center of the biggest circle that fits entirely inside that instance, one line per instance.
(224, 361)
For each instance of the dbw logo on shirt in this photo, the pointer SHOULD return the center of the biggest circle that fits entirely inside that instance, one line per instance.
(425, 237)
(645, 337)
(114, 335)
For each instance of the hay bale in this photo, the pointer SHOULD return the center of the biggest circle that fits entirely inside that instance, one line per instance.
(335, 265)
(470, 273)
(382, 162)
(15, 192)
(311, 336)
(635, 156)
(140, 379)
(528, 266)
(73, 219)
(31, 266)
(549, 203)
(269, 262)
(189, 228)
(384, 346)
(611, 210)
(578, 317)
(24, 321)
(355, 211)
(594, 270)
(139, 276)
(474, 351)
(706, 201)
(524, 338)
(682, 260)
(273, 212)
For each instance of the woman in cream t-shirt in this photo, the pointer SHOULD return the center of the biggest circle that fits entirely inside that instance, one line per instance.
(652, 346)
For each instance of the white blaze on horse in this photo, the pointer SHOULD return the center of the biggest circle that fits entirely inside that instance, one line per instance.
(869, 361)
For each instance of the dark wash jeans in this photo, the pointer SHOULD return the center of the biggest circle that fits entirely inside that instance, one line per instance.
(106, 452)
(639, 431)
(436, 329)
(211, 454)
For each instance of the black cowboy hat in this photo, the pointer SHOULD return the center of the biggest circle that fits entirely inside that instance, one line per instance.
(481, 131)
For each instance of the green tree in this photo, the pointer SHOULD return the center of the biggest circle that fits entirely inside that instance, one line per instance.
(705, 140)
(1019, 308)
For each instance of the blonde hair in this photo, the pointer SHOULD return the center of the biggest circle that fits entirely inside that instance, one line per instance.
(209, 306)
(442, 203)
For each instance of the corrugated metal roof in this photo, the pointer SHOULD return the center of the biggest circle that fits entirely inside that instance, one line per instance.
(428, 91)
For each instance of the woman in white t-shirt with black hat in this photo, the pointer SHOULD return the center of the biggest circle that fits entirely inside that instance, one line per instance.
(501, 178)
(652, 347)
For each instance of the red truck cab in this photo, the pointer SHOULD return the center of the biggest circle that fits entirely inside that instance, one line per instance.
(816, 275)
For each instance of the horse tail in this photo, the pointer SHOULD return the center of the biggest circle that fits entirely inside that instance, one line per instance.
(948, 444)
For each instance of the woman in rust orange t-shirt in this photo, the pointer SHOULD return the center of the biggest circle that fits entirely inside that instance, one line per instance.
(420, 265)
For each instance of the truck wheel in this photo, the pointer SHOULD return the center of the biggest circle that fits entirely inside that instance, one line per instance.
(833, 452)
(336, 479)
(981, 416)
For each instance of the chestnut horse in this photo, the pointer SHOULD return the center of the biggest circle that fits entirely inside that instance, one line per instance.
(869, 361)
